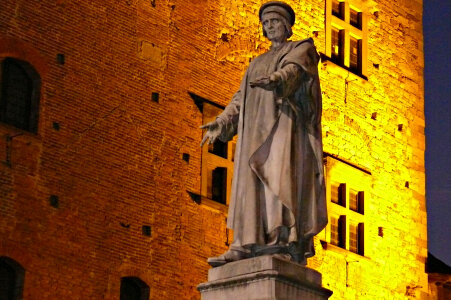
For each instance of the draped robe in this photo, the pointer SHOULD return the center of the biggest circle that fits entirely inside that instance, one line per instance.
(278, 179)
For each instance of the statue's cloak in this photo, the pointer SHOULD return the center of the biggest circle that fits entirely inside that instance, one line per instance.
(278, 176)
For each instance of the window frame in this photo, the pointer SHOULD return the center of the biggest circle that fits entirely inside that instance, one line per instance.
(342, 175)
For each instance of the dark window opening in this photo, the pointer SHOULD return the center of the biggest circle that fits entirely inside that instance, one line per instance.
(342, 232)
(218, 148)
(360, 239)
(155, 97)
(233, 151)
(361, 202)
(355, 57)
(11, 279)
(338, 9)
(219, 185)
(19, 96)
(133, 288)
(355, 18)
(338, 231)
(337, 46)
(146, 230)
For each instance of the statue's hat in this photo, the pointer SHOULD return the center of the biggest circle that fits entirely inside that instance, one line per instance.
(279, 7)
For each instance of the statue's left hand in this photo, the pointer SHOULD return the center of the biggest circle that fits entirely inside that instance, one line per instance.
(267, 83)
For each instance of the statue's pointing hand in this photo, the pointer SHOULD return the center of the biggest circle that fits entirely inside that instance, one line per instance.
(267, 83)
(214, 130)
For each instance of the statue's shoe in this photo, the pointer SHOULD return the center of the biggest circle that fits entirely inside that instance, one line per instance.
(229, 256)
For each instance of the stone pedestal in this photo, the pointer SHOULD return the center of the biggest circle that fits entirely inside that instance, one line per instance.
(263, 278)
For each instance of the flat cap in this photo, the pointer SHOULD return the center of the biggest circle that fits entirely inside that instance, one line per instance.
(278, 7)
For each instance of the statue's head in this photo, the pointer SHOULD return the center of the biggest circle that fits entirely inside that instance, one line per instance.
(279, 10)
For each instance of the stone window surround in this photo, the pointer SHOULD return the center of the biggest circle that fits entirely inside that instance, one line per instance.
(336, 172)
(211, 161)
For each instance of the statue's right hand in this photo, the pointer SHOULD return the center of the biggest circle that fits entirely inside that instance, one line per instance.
(213, 132)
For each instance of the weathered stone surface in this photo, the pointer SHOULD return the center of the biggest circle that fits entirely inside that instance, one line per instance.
(265, 277)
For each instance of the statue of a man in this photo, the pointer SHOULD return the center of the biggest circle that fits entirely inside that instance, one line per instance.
(278, 201)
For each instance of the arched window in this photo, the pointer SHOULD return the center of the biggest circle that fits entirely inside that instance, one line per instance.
(11, 279)
(133, 288)
(19, 94)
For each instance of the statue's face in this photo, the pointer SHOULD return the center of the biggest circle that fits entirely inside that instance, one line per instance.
(274, 26)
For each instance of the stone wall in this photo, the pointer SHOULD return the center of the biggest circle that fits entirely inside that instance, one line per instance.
(113, 156)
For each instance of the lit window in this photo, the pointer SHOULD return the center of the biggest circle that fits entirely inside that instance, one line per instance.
(356, 233)
(346, 35)
(356, 55)
(338, 193)
(337, 45)
(355, 18)
(133, 288)
(356, 199)
(19, 96)
(338, 9)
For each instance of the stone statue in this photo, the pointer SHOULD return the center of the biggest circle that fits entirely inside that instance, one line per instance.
(278, 197)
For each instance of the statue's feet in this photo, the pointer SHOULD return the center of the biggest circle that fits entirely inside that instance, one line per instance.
(296, 254)
(270, 249)
(229, 256)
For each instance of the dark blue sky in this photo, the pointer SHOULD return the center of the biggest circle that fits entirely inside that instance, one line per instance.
(437, 36)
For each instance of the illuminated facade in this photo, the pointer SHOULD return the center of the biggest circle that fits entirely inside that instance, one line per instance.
(105, 191)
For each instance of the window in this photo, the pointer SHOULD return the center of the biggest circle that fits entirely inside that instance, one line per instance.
(346, 35)
(19, 94)
(338, 193)
(355, 18)
(338, 231)
(346, 187)
(355, 55)
(217, 162)
(338, 9)
(133, 288)
(356, 234)
(11, 279)
(356, 199)
(337, 51)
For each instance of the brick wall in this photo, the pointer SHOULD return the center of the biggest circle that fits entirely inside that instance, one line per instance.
(116, 164)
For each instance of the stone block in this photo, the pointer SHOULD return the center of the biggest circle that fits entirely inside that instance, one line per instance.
(151, 52)
(263, 278)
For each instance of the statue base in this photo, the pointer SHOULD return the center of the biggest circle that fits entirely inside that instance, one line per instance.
(266, 277)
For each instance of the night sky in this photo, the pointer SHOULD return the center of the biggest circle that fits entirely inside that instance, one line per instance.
(437, 35)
